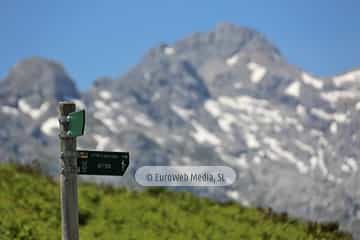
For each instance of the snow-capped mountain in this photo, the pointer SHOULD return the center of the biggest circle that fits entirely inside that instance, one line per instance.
(225, 97)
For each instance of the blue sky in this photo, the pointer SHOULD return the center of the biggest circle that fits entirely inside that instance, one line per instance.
(106, 38)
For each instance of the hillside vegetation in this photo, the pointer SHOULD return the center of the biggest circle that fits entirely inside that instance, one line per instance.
(30, 209)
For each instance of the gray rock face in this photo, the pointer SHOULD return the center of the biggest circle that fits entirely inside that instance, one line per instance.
(45, 78)
(225, 97)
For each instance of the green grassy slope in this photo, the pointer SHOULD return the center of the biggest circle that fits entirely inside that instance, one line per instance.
(29, 209)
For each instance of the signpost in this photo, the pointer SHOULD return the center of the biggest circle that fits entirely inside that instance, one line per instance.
(73, 162)
(102, 163)
(76, 123)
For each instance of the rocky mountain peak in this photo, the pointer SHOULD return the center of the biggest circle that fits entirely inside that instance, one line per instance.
(229, 30)
(222, 42)
(41, 77)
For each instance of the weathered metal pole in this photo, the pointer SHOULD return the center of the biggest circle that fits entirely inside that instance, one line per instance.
(68, 176)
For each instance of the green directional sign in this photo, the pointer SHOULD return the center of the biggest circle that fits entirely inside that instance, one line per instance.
(76, 123)
(102, 163)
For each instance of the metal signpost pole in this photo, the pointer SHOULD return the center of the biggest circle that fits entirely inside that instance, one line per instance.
(68, 176)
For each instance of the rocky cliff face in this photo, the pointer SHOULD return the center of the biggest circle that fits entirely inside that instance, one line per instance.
(222, 97)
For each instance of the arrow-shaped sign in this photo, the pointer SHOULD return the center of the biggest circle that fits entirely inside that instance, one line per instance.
(102, 163)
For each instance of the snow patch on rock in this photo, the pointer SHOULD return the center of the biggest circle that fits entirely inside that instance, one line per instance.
(50, 126)
(169, 51)
(251, 140)
(182, 112)
(34, 113)
(257, 160)
(9, 110)
(252, 107)
(213, 108)
(202, 135)
(334, 128)
(352, 163)
(108, 122)
(345, 168)
(338, 117)
(278, 150)
(102, 141)
(231, 61)
(102, 106)
(311, 81)
(304, 147)
(346, 78)
(318, 161)
(226, 121)
(334, 96)
(242, 162)
(106, 95)
(357, 106)
(257, 72)
(122, 120)
(142, 119)
(293, 89)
